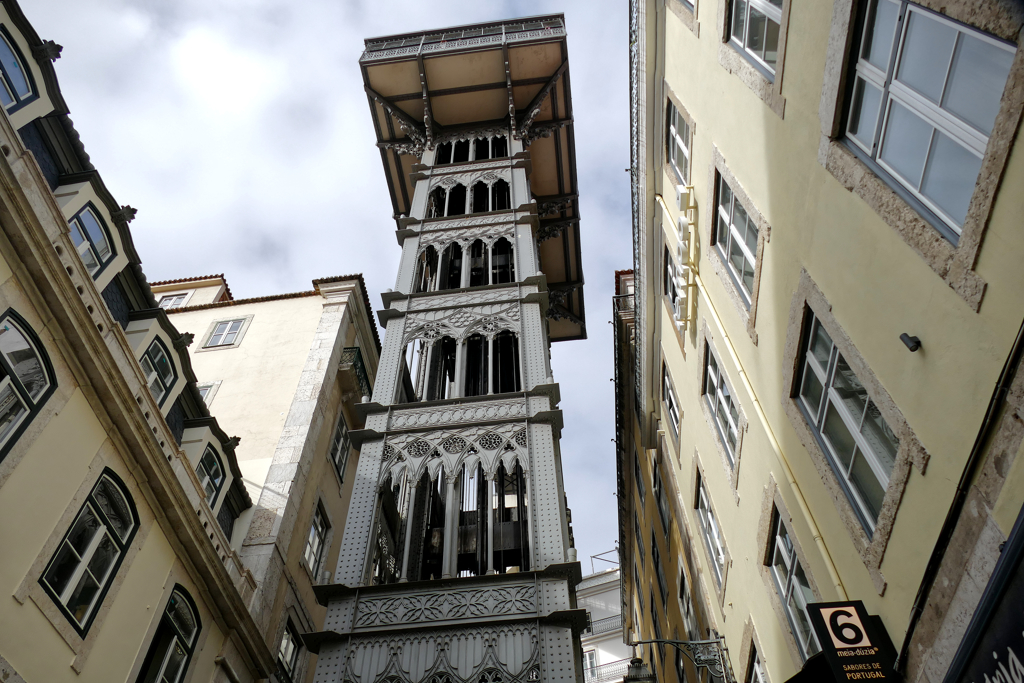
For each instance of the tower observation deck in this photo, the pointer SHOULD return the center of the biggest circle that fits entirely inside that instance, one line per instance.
(456, 563)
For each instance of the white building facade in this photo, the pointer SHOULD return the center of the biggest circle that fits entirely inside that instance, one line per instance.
(605, 655)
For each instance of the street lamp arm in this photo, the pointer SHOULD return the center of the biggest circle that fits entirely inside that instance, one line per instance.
(703, 653)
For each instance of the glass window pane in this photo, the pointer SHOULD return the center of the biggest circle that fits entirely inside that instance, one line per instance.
(103, 559)
(725, 196)
(850, 390)
(96, 233)
(864, 112)
(905, 143)
(755, 32)
(175, 663)
(64, 565)
(114, 507)
(771, 43)
(181, 616)
(811, 391)
(976, 81)
(883, 442)
(950, 177)
(85, 528)
(14, 71)
(5, 95)
(736, 256)
(821, 345)
(781, 558)
(11, 409)
(23, 359)
(866, 482)
(162, 363)
(82, 597)
(748, 276)
(739, 18)
(751, 237)
(927, 47)
(879, 36)
(838, 436)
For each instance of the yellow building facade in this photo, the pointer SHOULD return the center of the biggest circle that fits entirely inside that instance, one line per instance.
(826, 235)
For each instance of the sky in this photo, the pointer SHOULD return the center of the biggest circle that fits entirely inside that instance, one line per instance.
(240, 131)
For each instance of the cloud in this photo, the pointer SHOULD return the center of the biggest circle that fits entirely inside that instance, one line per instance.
(240, 130)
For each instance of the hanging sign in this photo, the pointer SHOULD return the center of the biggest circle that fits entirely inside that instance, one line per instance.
(855, 644)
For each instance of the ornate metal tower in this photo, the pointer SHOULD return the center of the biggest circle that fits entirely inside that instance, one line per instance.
(456, 562)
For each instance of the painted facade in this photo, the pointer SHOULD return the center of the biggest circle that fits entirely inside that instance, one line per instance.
(605, 656)
(456, 561)
(779, 443)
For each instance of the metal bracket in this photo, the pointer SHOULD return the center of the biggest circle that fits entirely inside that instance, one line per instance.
(705, 654)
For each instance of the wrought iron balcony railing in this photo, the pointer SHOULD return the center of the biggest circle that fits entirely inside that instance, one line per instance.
(606, 672)
(352, 355)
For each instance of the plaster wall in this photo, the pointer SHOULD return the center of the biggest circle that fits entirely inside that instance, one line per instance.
(877, 287)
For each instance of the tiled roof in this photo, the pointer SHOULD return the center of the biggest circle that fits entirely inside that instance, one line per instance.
(196, 279)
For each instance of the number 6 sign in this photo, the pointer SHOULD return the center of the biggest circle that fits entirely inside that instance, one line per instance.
(854, 643)
(844, 627)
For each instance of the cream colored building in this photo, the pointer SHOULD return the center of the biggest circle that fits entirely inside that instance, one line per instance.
(827, 268)
(285, 374)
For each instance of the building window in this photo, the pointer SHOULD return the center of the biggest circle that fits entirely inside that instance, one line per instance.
(638, 476)
(288, 652)
(659, 570)
(722, 404)
(668, 396)
(660, 498)
(92, 240)
(680, 667)
(754, 31)
(686, 604)
(225, 333)
(589, 665)
(860, 445)
(638, 582)
(204, 392)
(160, 373)
(793, 587)
(710, 531)
(26, 378)
(173, 300)
(316, 542)
(211, 475)
(924, 99)
(678, 143)
(736, 239)
(17, 84)
(639, 534)
(675, 287)
(340, 447)
(174, 641)
(88, 557)
(656, 623)
(478, 150)
(756, 674)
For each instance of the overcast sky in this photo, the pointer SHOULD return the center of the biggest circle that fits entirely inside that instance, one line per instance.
(240, 131)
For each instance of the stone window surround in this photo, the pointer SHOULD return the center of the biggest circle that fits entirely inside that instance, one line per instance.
(911, 451)
(214, 388)
(768, 90)
(678, 330)
(718, 169)
(30, 587)
(328, 537)
(955, 264)
(178, 576)
(706, 342)
(686, 14)
(670, 96)
(773, 501)
(698, 479)
(750, 644)
(246, 321)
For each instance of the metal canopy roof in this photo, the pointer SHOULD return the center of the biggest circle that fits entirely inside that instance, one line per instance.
(430, 87)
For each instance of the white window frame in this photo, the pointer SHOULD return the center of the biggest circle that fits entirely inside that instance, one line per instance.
(724, 243)
(678, 135)
(671, 401)
(686, 608)
(174, 300)
(638, 533)
(589, 664)
(316, 542)
(770, 11)
(149, 364)
(14, 386)
(714, 375)
(85, 242)
(17, 99)
(757, 674)
(207, 477)
(675, 288)
(289, 649)
(341, 447)
(220, 337)
(830, 398)
(711, 533)
(786, 552)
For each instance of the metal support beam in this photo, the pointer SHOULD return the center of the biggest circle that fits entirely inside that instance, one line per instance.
(534, 107)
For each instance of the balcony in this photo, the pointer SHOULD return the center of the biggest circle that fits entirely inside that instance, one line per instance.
(606, 672)
(613, 623)
(353, 356)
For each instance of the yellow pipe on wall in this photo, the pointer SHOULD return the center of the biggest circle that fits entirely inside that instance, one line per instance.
(837, 582)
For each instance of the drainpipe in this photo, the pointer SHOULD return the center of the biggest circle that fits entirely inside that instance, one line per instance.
(974, 460)
(819, 541)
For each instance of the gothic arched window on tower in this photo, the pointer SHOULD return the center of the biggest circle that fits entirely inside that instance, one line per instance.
(443, 154)
(461, 151)
(386, 558)
(506, 362)
(411, 377)
(426, 271)
(499, 147)
(481, 195)
(451, 267)
(441, 370)
(471, 557)
(501, 199)
(456, 201)
(510, 521)
(482, 148)
(426, 559)
(476, 365)
(478, 264)
(502, 266)
(436, 202)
